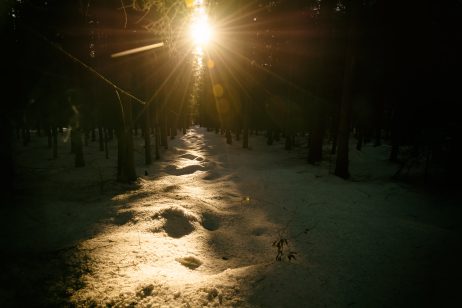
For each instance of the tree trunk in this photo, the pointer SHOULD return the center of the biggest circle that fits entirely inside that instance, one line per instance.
(106, 149)
(360, 138)
(157, 134)
(229, 138)
(72, 143)
(318, 127)
(270, 139)
(25, 136)
(341, 166)
(49, 137)
(163, 131)
(101, 138)
(93, 135)
(54, 132)
(78, 147)
(288, 143)
(245, 138)
(238, 135)
(394, 151)
(316, 137)
(127, 171)
(147, 137)
(334, 129)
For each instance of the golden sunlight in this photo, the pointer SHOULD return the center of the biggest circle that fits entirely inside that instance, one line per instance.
(200, 30)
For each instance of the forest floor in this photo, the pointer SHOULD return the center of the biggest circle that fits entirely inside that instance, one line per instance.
(198, 227)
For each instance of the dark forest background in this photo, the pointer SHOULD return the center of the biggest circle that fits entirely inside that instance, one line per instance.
(322, 71)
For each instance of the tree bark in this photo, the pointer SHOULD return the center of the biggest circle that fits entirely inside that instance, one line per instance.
(126, 165)
(342, 162)
(229, 138)
(147, 137)
(106, 149)
(78, 147)
(54, 132)
(245, 138)
(318, 127)
(49, 137)
(101, 138)
(157, 134)
(316, 137)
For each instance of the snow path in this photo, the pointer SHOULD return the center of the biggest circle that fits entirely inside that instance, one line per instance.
(198, 229)
(192, 230)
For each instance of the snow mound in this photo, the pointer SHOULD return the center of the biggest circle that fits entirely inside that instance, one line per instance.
(175, 221)
(190, 262)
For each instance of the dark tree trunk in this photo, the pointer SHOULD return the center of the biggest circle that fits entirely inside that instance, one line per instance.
(25, 136)
(101, 138)
(78, 147)
(147, 137)
(288, 143)
(49, 137)
(73, 140)
(318, 126)
(342, 162)
(127, 171)
(86, 137)
(270, 137)
(157, 135)
(316, 138)
(120, 151)
(394, 151)
(54, 132)
(276, 135)
(245, 138)
(93, 135)
(333, 151)
(229, 138)
(7, 158)
(163, 132)
(378, 137)
(360, 138)
(106, 148)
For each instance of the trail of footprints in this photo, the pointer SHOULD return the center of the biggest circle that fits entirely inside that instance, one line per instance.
(177, 221)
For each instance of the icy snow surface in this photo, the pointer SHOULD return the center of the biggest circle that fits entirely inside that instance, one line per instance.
(198, 230)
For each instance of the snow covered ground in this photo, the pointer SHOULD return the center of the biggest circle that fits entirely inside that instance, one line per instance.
(198, 230)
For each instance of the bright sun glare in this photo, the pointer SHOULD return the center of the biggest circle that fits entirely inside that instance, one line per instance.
(201, 31)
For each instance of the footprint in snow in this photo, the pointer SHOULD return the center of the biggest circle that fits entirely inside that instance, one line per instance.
(190, 262)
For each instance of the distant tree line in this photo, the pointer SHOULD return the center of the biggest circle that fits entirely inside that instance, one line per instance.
(319, 70)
